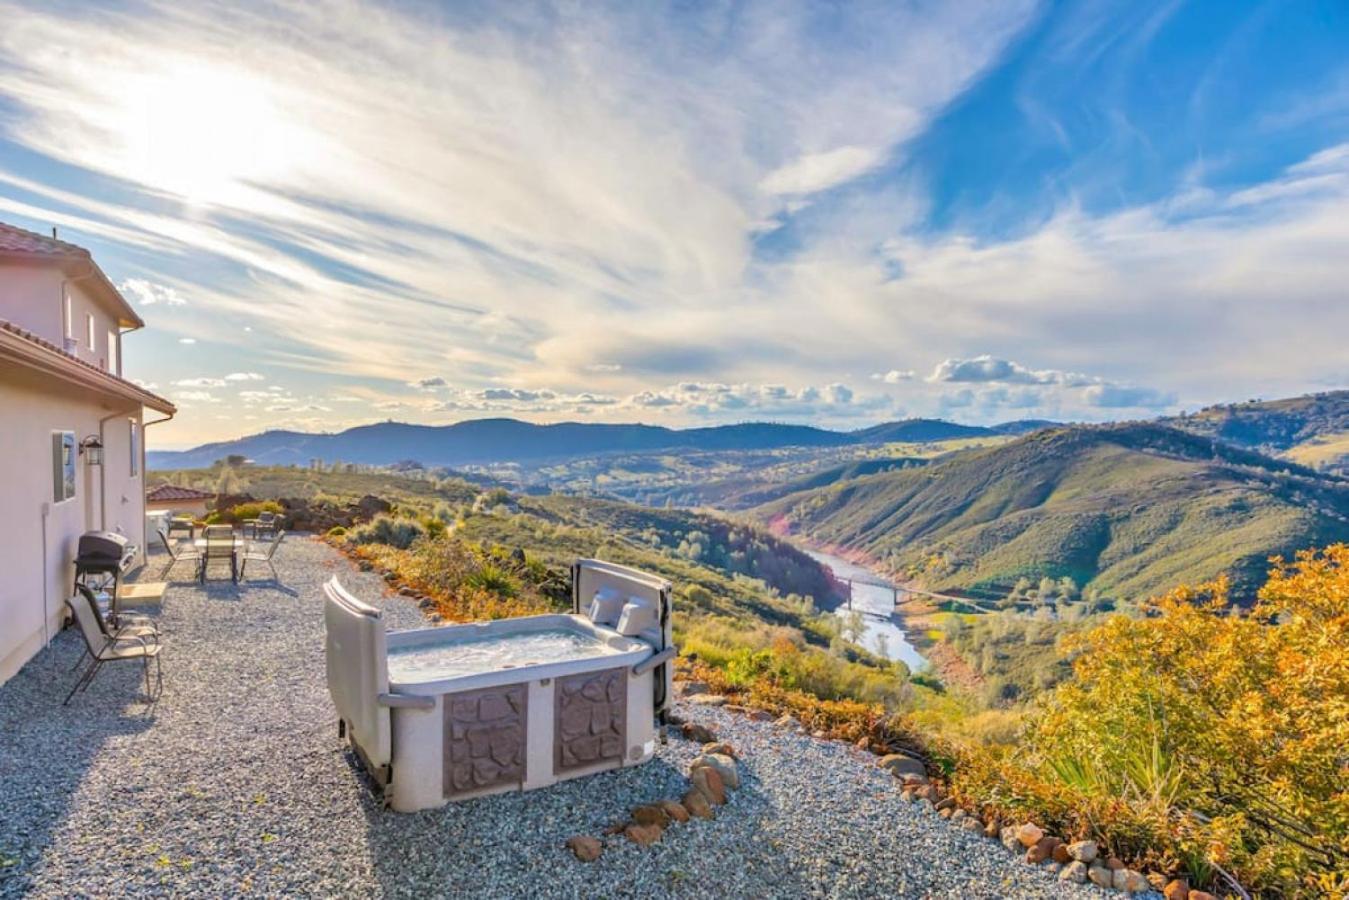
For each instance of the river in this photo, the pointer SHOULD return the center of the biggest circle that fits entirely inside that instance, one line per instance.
(884, 635)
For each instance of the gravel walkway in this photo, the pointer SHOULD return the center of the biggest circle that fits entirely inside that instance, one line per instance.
(235, 782)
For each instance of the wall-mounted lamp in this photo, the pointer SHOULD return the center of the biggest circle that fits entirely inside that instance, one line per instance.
(91, 448)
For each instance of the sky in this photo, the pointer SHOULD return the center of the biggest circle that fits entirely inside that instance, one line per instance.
(342, 212)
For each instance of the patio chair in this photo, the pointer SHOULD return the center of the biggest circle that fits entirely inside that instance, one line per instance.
(179, 553)
(128, 624)
(267, 523)
(219, 546)
(105, 648)
(255, 553)
(183, 523)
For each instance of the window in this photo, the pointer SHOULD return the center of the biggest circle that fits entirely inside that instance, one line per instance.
(70, 318)
(112, 352)
(135, 448)
(63, 465)
(89, 326)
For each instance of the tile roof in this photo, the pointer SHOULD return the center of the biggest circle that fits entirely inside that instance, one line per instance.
(173, 492)
(117, 382)
(30, 243)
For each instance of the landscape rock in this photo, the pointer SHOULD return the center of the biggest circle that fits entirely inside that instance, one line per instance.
(820, 735)
(1061, 855)
(708, 700)
(1074, 871)
(707, 781)
(725, 766)
(907, 795)
(1100, 875)
(972, 825)
(1177, 889)
(898, 765)
(787, 721)
(909, 778)
(690, 688)
(945, 813)
(700, 733)
(696, 802)
(991, 829)
(1043, 850)
(1029, 834)
(1129, 881)
(959, 815)
(948, 803)
(864, 743)
(1010, 839)
(761, 715)
(1201, 895)
(1083, 851)
(586, 848)
(675, 810)
(1114, 863)
(721, 747)
(650, 814)
(643, 835)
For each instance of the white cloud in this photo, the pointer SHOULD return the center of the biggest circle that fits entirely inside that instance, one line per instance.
(148, 293)
(820, 171)
(1115, 396)
(895, 376)
(187, 340)
(200, 382)
(429, 384)
(245, 376)
(197, 397)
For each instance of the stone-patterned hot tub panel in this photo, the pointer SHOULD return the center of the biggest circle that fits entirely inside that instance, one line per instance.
(590, 724)
(485, 738)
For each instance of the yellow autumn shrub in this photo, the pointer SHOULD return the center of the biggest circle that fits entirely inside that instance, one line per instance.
(1232, 728)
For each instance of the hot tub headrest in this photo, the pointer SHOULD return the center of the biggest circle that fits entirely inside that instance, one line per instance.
(605, 607)
(638, 615)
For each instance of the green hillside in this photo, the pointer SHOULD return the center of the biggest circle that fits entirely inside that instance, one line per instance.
(1128, 510)
(1312, 430)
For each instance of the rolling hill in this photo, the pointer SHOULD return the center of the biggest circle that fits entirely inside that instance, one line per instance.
(1128, 509)
(487, 441)
(1311, 430)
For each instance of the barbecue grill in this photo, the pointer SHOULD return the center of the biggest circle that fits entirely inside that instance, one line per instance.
(102, 558)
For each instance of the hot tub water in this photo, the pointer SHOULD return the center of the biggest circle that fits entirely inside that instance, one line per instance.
(491, 653)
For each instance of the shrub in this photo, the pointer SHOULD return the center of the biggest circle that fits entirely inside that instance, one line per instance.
(493, 579)
(237, 514)
(385, 529)
(336, 531)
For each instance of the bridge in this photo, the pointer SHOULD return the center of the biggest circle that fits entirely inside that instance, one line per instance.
(902, 594)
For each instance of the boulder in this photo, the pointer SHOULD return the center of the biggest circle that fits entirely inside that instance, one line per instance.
(787, 720)
(690, 688)
(1177, 889)
(1043, 850)
(1029, 834)
(721, 747)
(370, 506)
(959, 815)
(1114, 863)
(972, 825)
(707, 781)
(1083, 851)
(725, 766)
(708, 700)
(694, 732)
(1061, 855)
(945, 813)
(760, 715)
(907, 795)
(1129, 881)
(1100, 875)
(696, 802)
(899, 765)
(586, 848)
(1010, 839)
(1074, 871)
(948, 803)
(864, 743)
(819, 735)
(912, 779)
(991, 829)
(675, 810)
(645, 835)
(650, 814)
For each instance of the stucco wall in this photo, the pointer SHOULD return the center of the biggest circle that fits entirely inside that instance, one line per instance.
(32, 409)
(31, 297)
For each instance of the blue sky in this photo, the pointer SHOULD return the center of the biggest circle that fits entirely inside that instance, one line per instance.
(342, 212)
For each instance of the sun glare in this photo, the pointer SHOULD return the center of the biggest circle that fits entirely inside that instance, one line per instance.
(205, 133)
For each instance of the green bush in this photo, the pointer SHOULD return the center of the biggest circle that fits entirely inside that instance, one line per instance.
(336, 531)
(385, 529)
(237, 514)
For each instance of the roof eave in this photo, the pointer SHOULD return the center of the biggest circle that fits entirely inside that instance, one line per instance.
(42, 357)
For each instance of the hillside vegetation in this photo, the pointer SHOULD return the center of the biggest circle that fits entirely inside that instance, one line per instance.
(1128, 510)
(1311, 430)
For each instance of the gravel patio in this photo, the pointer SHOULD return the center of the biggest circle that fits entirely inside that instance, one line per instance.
(235, 782)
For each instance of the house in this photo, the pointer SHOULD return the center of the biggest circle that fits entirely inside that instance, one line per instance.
(71, 430)
(177, 501)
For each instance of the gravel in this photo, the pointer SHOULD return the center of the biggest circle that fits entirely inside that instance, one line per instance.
(235, 781)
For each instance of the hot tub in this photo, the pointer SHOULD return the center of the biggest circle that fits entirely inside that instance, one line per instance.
(448, 713)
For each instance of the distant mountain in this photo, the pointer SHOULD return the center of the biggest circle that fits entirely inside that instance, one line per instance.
(1272, 424)
(833, 475)
(482, 441)
(914, 431)
(1130, 509)
(1023, 426)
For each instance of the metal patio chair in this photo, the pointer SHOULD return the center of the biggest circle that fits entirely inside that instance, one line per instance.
(179, 553)
(105, 648)
(220, 545)
(254, 553)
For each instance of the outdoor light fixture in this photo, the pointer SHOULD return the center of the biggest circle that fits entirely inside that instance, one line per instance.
(91, 448)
